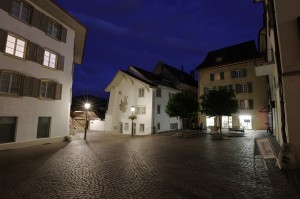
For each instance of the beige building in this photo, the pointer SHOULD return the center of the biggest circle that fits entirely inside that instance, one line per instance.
(281, 41)
(39, 44)
(234, 67)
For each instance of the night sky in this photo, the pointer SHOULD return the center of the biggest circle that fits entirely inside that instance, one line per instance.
(142, 32)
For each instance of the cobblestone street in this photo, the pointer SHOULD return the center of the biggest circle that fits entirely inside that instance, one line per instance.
(156, 166)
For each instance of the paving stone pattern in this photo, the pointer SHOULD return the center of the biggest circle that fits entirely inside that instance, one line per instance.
(156, 166)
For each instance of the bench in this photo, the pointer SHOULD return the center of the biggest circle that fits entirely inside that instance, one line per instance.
(237, 129)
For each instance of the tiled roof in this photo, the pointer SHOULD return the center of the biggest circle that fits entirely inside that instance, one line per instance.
(229, 55)
(180, 75)
(148, 77)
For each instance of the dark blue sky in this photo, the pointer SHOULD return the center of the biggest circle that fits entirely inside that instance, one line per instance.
(141, 32)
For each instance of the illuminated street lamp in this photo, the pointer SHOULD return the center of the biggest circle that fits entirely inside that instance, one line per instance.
(132, 117)
(86, 107)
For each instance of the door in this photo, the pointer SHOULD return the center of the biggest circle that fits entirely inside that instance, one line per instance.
(246, 121)
(7, 129)
(43, 127)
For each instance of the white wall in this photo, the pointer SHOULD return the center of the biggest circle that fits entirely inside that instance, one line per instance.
(97, 125)
(28, 109)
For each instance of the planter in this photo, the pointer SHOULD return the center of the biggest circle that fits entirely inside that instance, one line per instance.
(213, 129)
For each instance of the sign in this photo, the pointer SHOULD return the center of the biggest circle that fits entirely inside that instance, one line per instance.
(264, 148)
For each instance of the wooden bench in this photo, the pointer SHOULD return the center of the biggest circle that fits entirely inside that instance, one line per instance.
(237, 129)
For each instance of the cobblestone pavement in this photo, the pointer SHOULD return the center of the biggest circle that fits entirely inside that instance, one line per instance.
(155, 166)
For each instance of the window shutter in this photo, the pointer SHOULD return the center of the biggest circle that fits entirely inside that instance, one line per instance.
(63, 34)
(31, 51)
(43, 23)
(40, 55)
(232, 74)
(212, 77)
(6, 5)
(61, 62)
(26, 86)
(244, 72)
(249, 85)
(250, 104)
(58, 90)
(3, 38)
(36, 18)
(35, 92)
(222, 75)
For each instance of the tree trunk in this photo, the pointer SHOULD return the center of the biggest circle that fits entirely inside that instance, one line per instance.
(220, 124)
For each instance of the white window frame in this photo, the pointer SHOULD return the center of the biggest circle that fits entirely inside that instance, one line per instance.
(158, 109)
(158, 92)
(15, 46)
(141, 110)
(10, 87)
(19, 12)
(126, 126)
(141, 92)
(53, 29)
(50, 59)
(45, 91)
(142, 128)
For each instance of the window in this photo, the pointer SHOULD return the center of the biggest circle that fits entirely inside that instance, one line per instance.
(15, 46)
(174, 126)
(239, 73)
(47, 89)
(158, 92)
(217, 76)
(43, 128)
(140, 110)
(20, 10)
(141, 92)
(50, 59)
(158, 109)
(158, 126)
(53, 29)
(142, 128)
(7, 129)
(244, 88)
(126, 127)
(10, 83)
(246, 104)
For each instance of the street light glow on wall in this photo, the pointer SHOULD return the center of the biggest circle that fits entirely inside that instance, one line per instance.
(132, 117)
(87, 106)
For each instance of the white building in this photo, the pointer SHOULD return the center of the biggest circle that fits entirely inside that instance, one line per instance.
(39, 44)
(280, 39)
(148, 93)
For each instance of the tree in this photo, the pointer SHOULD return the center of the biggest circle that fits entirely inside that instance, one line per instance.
(182, 106)
(217, 103)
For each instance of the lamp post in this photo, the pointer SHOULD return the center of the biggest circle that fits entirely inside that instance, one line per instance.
(132, 117)
(86, 107)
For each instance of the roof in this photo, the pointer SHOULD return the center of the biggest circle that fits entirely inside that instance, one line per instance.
(62, 15)
(180, 75)
(229, 55)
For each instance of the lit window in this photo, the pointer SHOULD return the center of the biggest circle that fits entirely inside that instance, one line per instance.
(20, 10)
(10, 83)
(50, 59)
(53, 30)
(47, 89)
(142, 128)
(140, 110)
(141, 92)
(15, 46)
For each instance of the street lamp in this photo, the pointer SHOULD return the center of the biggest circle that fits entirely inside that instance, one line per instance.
(86, 107)
(132, 117)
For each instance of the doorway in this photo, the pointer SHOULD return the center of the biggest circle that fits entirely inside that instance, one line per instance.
(246, 121)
